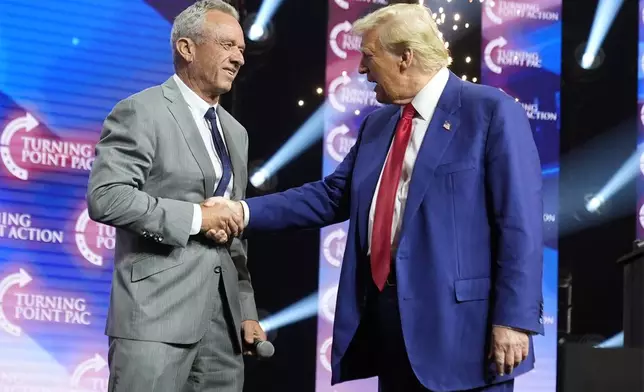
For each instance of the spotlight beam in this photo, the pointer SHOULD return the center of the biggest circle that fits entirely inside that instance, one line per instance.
(604, 17)
(310, 132)
(301, 310)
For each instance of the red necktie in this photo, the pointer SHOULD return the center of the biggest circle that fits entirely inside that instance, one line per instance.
(384, 214)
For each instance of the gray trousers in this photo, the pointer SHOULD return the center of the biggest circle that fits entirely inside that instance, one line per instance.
(212, 364)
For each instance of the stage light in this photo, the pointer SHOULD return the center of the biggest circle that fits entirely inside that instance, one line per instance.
(319, 91)
(300, 103)
(467, 25)
(464, 77)
(594, 203)
(257, 32)
(455, 27)
(457, 17)
(357, 112)
(474, 80)
(604, 17)
(440, 10)
(307, 134)
(468, 59)
(259, 178)
(446, 45)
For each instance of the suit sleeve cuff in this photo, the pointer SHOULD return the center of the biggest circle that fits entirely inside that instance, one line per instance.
(196, 220)
(246, 212)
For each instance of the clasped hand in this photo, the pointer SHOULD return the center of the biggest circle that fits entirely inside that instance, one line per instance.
(221, 219)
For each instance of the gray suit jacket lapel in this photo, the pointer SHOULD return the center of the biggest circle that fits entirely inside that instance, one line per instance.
(179, 109)
(232, 134)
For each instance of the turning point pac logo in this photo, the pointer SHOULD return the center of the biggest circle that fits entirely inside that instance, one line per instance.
(341, 40)
(18, 279)
(22, 149)
(496, 58)
(342, 93)
(86, 376)
(94, 240)
(324, 354)
(327, 304)
(36, 307)
(333, 246)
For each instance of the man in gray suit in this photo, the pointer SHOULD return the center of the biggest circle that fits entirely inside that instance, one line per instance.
(179, 301)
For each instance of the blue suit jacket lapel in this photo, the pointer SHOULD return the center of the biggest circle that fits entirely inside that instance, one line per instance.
(434, 145)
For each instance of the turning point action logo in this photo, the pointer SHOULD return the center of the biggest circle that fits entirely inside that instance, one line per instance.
(507, 57)
(94, 240)
(52, 309)
(19, 226)
(496, 10)
(21, 151)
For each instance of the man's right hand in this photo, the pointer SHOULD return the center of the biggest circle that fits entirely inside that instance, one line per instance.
(218, 216)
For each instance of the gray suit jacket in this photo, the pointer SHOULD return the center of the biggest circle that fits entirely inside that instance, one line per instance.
(151, 167)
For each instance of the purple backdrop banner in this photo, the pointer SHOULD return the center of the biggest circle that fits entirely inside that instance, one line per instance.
(521, 54)
(349, 99)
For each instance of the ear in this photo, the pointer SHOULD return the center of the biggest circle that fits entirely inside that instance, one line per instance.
(185, 47)
(406, 59)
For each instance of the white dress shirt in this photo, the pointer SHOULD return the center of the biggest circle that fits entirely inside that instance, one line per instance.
(198, 108)
(425, 104)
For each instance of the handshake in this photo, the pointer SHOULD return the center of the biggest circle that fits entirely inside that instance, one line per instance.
(221, 219)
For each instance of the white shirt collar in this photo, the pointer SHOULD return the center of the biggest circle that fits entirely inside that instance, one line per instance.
(195, 102)
(427, 98)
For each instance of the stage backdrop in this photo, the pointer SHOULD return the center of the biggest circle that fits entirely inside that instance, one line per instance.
(63, 66)
(520, 54)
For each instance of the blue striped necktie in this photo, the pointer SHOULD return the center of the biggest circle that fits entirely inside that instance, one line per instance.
(220, 149)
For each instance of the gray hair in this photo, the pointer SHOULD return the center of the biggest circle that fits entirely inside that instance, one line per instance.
(189, 23)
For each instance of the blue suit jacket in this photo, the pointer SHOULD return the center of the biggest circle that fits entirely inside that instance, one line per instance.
(470, 250)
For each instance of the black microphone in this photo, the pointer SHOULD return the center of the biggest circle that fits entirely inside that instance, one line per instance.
(263, 348)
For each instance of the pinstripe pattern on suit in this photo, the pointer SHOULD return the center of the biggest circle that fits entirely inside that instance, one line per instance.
(151, 167)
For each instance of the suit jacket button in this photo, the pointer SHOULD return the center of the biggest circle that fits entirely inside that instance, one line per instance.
(217, 269)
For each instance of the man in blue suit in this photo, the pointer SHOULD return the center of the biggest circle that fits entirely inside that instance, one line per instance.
(440, 286)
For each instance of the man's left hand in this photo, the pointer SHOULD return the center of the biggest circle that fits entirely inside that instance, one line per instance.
(508, 348)
(251, 330)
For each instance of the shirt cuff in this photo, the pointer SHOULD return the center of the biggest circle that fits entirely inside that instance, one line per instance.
(246, 212)
(196, 220)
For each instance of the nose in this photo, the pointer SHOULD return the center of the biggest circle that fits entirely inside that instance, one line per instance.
(362, 69)
(237, 59)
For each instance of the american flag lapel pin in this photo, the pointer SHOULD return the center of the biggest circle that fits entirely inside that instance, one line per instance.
(447, 125)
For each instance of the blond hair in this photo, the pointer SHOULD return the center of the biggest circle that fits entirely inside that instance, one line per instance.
(408, 26)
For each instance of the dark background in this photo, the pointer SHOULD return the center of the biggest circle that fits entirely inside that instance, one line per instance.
(598, 134)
